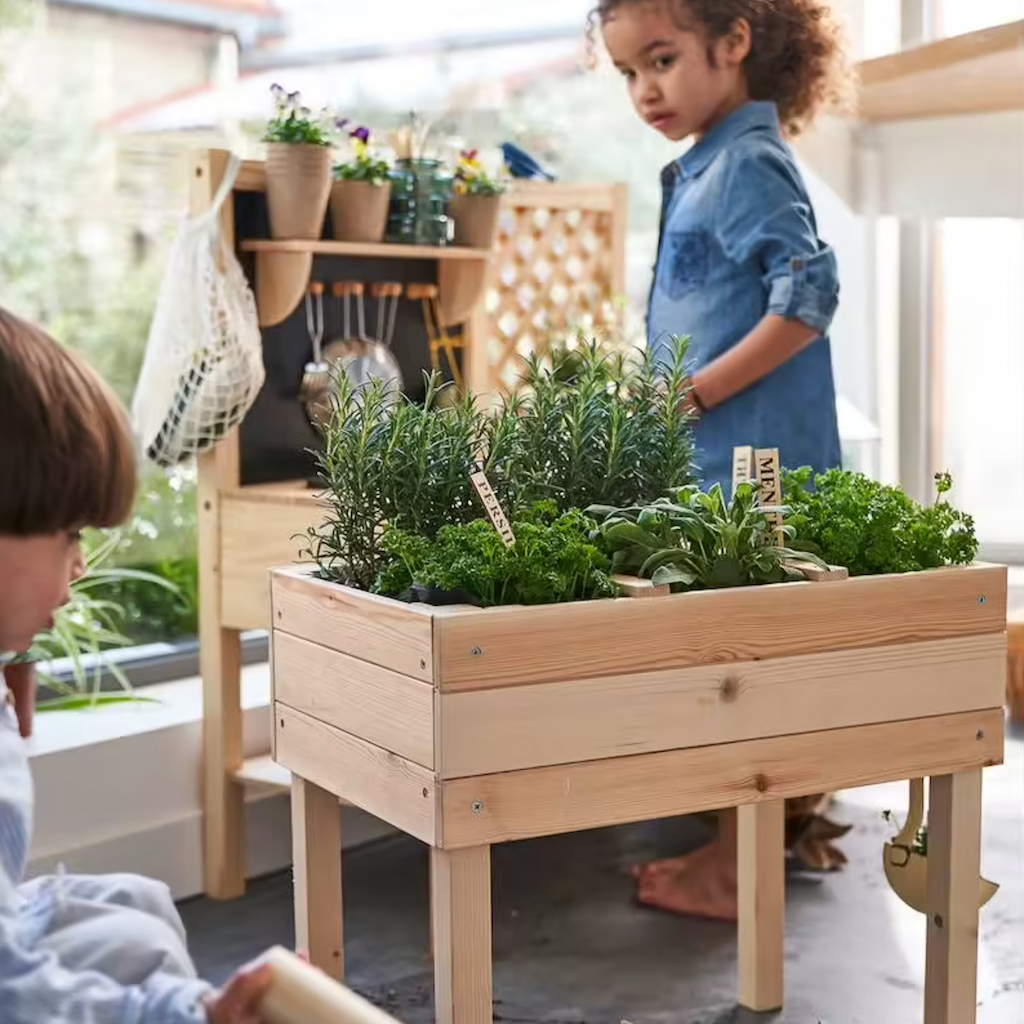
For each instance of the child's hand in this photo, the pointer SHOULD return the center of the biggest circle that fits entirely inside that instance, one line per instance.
(238, 1002)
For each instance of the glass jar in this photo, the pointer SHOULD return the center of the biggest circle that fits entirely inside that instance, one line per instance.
(421, 191)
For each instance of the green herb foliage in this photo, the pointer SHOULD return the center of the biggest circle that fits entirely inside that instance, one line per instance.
(612, 431)
(89, 624)
(404, 465)
(552, 560)
(869, 527)
(603, 428)
(698, 541)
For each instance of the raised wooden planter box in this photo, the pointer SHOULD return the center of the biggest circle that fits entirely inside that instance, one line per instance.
(467, 727)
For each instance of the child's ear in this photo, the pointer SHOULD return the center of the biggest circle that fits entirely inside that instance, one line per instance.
(737, 42)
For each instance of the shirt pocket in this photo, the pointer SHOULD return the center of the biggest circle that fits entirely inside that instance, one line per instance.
(684, 263)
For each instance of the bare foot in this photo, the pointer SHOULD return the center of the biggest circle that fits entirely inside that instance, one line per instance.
(701, 884)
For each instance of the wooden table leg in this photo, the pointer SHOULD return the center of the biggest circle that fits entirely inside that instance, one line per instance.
(316, 842)
(761, 891)
(954, 868)
(460, 908)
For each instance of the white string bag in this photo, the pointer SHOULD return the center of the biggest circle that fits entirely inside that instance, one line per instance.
(204, 358)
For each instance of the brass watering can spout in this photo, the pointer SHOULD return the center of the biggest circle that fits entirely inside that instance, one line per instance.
(906, 869)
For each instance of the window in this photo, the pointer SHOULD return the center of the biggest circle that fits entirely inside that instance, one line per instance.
(978, 344)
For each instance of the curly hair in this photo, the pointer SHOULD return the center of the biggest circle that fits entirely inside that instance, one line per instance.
(796, 57)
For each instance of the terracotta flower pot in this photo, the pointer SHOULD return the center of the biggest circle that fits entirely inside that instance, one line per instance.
(298, 189)
(359, 210)
(476, 218)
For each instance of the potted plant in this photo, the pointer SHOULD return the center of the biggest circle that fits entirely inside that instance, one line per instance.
(361, 191)
(421, 190)
(298, 168)
(84, 631)
(476, 202)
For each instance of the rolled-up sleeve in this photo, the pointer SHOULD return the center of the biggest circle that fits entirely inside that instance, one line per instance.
(766, 218)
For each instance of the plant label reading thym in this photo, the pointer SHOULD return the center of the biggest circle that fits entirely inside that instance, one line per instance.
(493, 507)
(742, 466)
(769, 482)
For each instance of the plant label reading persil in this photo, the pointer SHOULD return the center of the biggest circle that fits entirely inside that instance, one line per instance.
(769, 482)
(493, 507)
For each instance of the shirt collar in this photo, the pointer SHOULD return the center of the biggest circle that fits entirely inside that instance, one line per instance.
(753, 116)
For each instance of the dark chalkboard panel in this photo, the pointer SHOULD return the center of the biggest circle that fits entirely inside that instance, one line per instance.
(276, 437)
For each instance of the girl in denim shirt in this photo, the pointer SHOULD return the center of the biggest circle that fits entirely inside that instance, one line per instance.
(740, 270)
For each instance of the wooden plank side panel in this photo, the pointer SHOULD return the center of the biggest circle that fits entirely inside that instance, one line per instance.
(375, 629)
(383, 707)
(571, 798)
(256, 536)
(384, 784)
(515, 727)
(516, 646)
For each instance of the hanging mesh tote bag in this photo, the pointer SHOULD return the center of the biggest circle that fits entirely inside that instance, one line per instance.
(204, 357)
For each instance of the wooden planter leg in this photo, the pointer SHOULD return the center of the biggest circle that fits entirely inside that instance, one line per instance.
(316, 842)
(223, 797)
(460, 908)
(954, 867)
(761, 890)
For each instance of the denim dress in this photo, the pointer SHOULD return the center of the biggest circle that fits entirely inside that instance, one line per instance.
(737, 241)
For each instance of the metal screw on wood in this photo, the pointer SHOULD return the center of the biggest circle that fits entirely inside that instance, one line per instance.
(477, 650)
(983, 599)
(478, 806)
(981, 734)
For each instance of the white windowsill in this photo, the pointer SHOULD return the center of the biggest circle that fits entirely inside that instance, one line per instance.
(119, 788)
(173, 704)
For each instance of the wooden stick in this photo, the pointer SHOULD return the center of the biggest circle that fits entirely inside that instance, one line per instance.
(340, 288)
(301, 994)
(742, 466)
(769, 483)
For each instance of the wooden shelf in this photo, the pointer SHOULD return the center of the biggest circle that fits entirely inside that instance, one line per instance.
(289, 492)
(382, 250)
(974, 73)
(264, 772)
(283, 269)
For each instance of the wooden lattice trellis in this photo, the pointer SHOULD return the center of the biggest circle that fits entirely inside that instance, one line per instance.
(561, 265)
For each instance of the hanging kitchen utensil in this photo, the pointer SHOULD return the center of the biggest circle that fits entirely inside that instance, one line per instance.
(387, 294)
(315, 388)
(437, 333)
(906, 868)
(358, 356)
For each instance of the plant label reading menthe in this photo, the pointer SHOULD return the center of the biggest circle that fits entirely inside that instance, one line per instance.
(769, 482)
(493, 508)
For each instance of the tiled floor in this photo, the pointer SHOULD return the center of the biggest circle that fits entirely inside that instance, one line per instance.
(570, 946)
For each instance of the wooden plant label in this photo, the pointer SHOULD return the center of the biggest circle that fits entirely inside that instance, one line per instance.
(493, 507)
(742, 466)
(769, 484)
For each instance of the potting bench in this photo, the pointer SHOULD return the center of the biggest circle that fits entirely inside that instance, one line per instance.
(559, 258)
(466, 727)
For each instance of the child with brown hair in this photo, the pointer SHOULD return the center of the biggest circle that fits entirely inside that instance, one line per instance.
(740, 267)
(73, 949)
